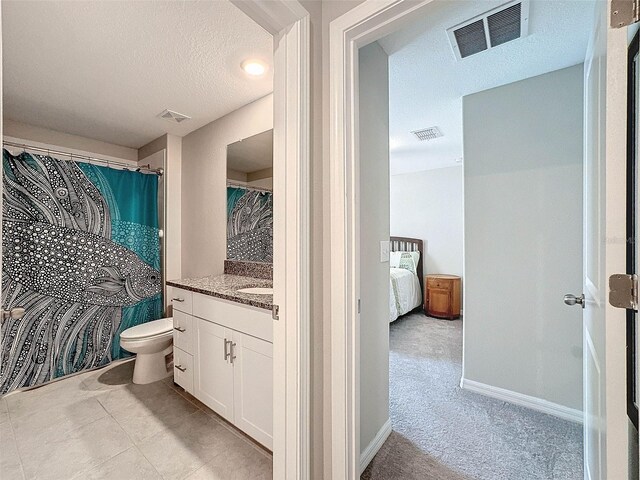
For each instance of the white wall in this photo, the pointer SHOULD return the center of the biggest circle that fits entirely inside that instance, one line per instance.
(523, 236)
(38, 136)
(428, 205)
(374, 227)
(154, 153)
(204, 179)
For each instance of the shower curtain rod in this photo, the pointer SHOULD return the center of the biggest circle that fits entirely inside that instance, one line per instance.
(248, 187)
(48, 151)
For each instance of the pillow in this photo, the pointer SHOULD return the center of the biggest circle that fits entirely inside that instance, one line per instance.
(405, 260)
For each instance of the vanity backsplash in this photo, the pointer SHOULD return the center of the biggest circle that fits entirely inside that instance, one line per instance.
(249, 269)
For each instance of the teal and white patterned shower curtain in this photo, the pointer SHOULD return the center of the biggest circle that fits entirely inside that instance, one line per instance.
(81, 253)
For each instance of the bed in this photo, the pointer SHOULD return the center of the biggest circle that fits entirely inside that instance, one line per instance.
(405, 276)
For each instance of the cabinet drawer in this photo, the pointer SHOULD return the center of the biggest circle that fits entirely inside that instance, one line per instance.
(182, 300)
(243, 318)
(183, 331)
(439, 283)
(183, 369)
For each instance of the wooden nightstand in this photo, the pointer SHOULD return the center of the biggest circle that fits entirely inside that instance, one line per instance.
(442, 296)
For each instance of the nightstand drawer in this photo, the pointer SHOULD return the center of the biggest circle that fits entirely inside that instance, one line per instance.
(439, 283)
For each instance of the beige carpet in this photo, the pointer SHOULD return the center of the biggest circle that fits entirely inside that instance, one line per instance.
(443, 432)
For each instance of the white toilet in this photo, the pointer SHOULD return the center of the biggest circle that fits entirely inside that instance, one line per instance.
(152, 342)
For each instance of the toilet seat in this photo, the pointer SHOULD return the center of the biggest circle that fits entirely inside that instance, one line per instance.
(149, 330)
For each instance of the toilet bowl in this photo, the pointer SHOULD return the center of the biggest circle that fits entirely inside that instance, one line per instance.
(151, 342)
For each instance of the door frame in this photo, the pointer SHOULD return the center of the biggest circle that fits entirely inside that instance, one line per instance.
(365, 23)
(632, 220)
(289, 23)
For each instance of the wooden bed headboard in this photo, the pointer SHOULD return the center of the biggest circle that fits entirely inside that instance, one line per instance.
(406, 244)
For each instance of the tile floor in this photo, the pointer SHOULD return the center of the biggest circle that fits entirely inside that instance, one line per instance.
(99, 425)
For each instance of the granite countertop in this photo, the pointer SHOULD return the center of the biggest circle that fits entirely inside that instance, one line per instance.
(225, 286)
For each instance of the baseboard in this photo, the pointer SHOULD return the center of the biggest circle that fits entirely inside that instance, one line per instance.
(534, 403)
(367, 455)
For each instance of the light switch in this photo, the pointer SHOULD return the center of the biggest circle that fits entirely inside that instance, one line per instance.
(384, 251)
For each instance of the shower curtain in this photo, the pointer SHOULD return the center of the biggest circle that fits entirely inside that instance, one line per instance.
(81, 253)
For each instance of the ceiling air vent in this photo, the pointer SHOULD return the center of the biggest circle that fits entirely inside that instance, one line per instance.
(430, 133)
(495, 27)
(174, 116)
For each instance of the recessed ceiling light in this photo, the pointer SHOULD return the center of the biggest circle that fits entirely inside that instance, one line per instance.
(255, 68)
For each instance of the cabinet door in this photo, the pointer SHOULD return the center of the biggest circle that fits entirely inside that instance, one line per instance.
(253, 387)
(213, 372)
(439, 302)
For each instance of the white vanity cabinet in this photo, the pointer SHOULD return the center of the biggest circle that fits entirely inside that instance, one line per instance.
(230, 349)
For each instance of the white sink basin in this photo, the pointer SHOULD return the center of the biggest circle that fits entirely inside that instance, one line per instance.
(257, 290)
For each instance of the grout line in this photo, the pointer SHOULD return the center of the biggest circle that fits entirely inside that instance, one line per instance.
(15, 444)
(133, 444)
(239, 433)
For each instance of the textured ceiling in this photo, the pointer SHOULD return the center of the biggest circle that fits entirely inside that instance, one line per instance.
(106, 69)
(427, 83)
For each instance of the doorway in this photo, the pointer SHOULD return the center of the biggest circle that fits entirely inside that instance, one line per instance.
(360, 28)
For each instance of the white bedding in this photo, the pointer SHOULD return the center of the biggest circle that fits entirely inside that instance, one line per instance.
(404, 292)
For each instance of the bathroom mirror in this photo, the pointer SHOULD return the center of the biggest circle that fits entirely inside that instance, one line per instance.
(250, 199)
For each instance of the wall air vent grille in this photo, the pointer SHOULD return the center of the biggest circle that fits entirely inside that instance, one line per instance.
(505, 25)
(430, 133)
(471, 38)
(173, 116)
(495, 27)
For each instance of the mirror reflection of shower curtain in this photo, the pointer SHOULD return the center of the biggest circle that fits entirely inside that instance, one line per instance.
(249, 224)
(81, 253)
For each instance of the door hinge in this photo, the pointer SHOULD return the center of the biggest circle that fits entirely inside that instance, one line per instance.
(624, 12)
(275, 312)
(358, 305)
(623, 291)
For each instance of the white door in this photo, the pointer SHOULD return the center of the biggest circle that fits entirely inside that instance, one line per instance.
(253, 387)
(214, 370)
(605, 421)
(594, 290)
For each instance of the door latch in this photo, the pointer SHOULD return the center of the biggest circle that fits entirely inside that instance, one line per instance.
(623, 291)
(275, 312)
